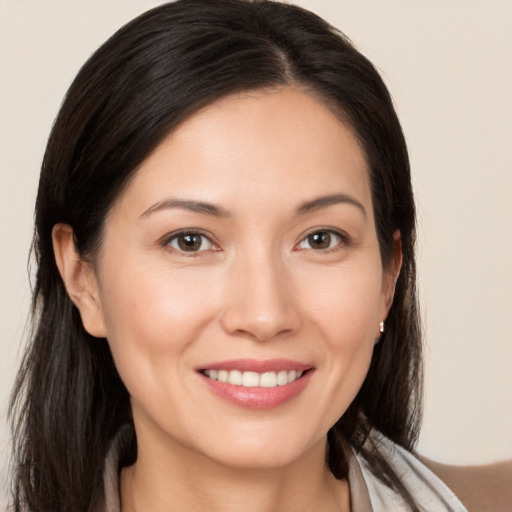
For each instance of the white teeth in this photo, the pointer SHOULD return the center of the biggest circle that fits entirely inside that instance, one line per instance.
(282, 378)
(253, 379)
(268, 380)
(235, 377)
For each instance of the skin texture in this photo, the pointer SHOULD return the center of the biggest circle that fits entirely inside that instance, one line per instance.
(257, 288)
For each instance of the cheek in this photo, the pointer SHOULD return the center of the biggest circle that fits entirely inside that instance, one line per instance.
(345, 309)
(351, 328)
(151, 318)
(347, 304)
(152, 305)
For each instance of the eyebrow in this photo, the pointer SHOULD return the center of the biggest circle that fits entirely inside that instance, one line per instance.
(325, 201)
(217, 211)
(186, 204)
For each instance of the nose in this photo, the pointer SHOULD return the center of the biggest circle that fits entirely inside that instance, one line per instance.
(261, 303)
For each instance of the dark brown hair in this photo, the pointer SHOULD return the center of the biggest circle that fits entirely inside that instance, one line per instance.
(68, 400)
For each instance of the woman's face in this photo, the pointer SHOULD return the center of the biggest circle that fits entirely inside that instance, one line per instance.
(240, 283)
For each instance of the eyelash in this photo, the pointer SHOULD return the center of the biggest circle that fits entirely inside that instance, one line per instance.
(175, 237)
(343, 240)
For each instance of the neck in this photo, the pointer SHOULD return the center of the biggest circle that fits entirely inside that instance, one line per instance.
(169, 479)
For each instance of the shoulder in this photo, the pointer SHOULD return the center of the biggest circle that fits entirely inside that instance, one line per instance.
(479, 488)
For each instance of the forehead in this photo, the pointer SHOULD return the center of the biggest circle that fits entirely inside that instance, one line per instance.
(259, 146)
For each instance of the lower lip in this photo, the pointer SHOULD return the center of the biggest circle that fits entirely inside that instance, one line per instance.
(258, 398)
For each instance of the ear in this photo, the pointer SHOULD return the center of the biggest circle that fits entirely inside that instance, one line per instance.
(392, 272)
(79, 279)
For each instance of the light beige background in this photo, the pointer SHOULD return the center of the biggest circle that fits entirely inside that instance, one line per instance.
(448, 64)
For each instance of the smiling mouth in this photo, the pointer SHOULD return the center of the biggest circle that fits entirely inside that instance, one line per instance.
(254, 379)
(257, 384)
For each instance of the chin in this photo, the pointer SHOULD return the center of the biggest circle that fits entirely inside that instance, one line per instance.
(257, 453)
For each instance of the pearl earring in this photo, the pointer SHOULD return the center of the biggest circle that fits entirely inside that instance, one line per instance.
(381, 327)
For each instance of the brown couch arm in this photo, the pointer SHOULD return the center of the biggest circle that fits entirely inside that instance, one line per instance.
(480, 488)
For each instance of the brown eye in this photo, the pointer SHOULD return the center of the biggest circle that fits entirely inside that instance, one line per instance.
(321, 240)
(190, 242)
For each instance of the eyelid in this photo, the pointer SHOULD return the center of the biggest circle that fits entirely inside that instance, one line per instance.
(166, 240)
(344, 239)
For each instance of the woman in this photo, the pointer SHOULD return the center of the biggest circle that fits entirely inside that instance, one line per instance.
(225, 296)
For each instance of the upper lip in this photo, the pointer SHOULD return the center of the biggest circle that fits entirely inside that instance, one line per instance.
(257, 365)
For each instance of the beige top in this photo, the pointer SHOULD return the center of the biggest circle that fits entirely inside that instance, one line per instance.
(367, 492)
